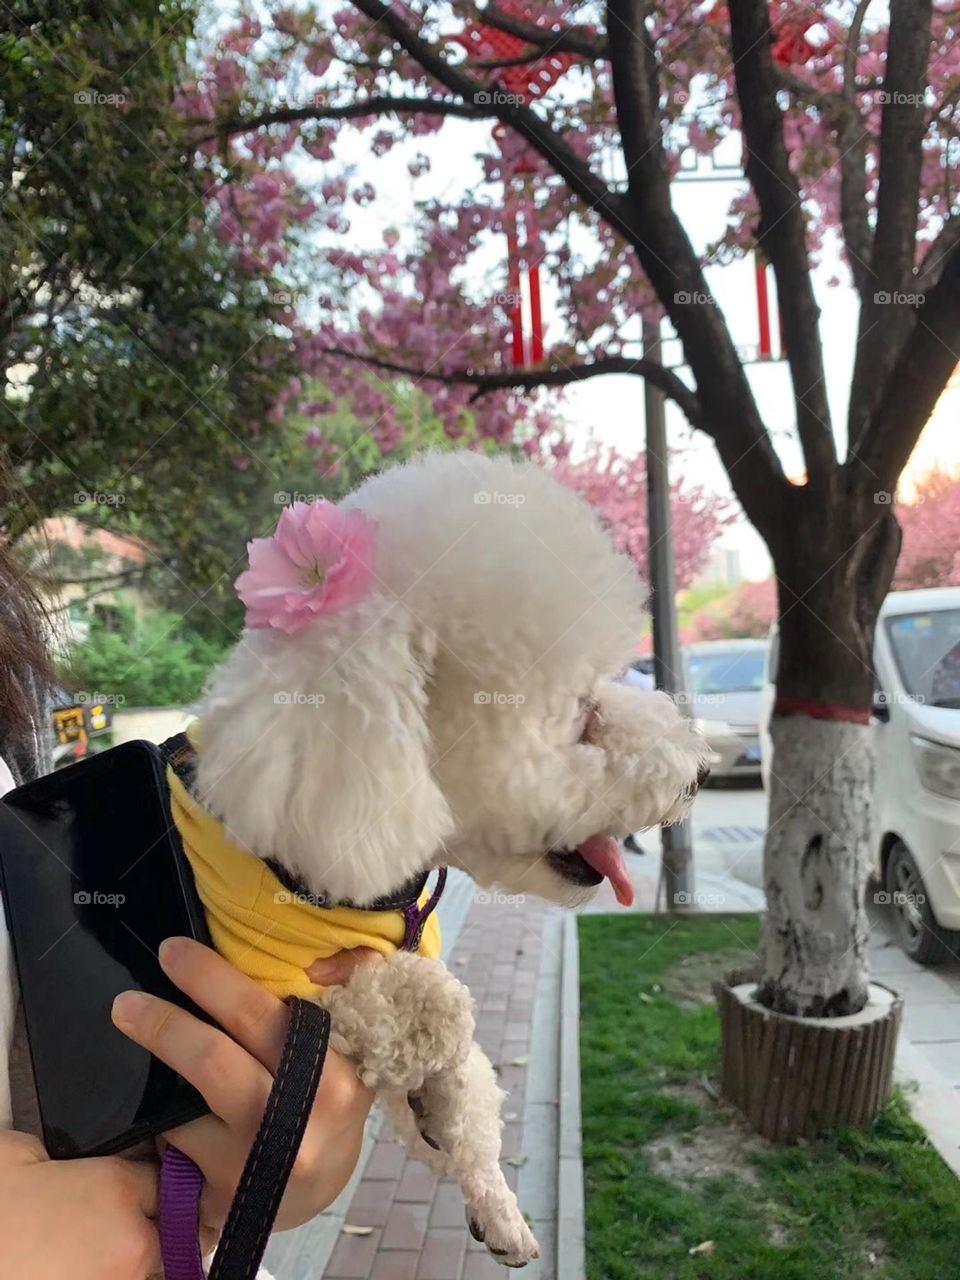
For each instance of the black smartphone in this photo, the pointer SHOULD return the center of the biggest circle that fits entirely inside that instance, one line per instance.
(94, 877)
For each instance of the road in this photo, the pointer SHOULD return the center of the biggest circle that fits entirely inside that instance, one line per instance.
(728, 826)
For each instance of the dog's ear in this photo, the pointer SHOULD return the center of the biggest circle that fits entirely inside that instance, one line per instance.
(315, 751)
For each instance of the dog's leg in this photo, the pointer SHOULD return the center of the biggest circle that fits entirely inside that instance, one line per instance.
(401, 1019)
(453, 1125)
(408, 1024)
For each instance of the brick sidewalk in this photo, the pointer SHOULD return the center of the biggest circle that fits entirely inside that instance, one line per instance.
(505, 953)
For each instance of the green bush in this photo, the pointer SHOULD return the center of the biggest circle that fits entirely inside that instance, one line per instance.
(154, 661)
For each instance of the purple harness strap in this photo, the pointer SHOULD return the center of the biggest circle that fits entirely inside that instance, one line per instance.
(417, 916)
(180, 1185)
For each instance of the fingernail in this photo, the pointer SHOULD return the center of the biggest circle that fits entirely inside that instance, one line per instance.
(128, 1006)
(170, 951)
(317, 972)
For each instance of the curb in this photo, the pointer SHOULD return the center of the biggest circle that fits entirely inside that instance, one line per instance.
(932, 1102)
(571, 1250)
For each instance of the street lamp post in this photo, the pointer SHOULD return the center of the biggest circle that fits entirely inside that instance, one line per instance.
(677, 876)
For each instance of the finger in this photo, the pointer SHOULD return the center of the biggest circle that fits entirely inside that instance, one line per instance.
(234, 1084)
(143, 1177)
(220, 1157)
(253, 1017)
(337, 970)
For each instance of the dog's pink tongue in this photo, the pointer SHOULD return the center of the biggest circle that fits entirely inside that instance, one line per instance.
(604, 854)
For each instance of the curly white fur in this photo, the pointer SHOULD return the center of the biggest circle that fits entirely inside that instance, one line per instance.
(466, 713)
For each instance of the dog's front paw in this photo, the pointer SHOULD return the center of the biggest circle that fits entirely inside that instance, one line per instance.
(437, 1116)
(497, 1222)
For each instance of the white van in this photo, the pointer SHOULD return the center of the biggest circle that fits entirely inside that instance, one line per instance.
(917, 795)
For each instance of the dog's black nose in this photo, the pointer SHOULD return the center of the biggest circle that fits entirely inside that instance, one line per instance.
(702, 776)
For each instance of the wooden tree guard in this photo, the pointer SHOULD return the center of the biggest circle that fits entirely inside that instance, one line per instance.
(794, 1077)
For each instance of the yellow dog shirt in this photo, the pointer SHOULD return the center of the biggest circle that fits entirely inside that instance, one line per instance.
(267, 929)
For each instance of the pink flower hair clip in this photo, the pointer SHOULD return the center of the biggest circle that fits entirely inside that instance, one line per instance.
(319, 561)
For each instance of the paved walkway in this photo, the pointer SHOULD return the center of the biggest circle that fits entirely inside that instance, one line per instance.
(408, 1225)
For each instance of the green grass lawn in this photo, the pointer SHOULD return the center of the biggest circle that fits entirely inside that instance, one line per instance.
(668, 1169)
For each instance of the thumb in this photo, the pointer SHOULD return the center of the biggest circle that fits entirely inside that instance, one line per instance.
(337, 970)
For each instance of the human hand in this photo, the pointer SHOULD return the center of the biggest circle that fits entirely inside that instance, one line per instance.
(235, 1076)
(86, 1219)
(337, 970)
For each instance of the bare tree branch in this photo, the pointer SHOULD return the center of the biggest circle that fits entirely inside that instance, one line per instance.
(938, 254)
(884, 326)
(558, 39)
(842, 111)
(729, 411)
(852, 49)
(554, 375)
(375, 106)
(852, 138)
(902, 129)
(578, 175)
(915, 382)
(781, 232)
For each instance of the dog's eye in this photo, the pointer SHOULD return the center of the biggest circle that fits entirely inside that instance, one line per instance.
(591, 722)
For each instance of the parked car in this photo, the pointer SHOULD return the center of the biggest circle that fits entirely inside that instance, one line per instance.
(724, 679)
(916, 724)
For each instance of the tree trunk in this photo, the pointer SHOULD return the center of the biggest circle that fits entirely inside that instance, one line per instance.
(814, 938)
(833, 572)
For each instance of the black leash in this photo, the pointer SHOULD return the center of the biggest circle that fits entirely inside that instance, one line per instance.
(265, 1173)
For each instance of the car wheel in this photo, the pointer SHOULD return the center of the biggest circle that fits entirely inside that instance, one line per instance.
(916, 927)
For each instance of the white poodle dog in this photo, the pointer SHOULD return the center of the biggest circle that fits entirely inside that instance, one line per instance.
(466, 713)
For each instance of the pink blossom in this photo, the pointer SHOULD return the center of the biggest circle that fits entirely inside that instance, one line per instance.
(319, 561)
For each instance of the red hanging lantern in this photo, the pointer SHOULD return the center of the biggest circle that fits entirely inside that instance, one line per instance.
(525, 83)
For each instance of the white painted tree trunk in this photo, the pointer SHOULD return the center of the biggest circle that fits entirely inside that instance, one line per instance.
(815, 865)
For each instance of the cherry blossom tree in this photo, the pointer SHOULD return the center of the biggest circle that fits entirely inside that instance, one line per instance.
(931, 534)
(747, 611)
(848, 120)
(617, 488)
